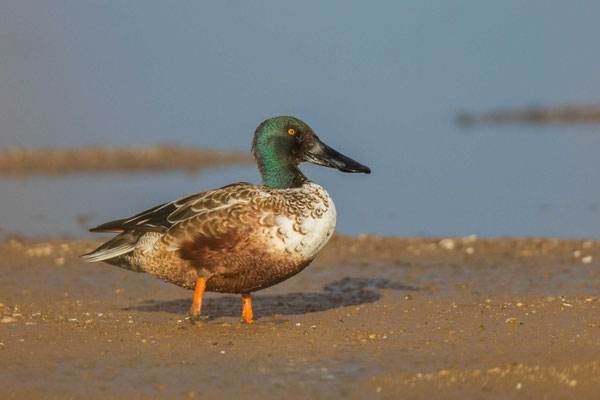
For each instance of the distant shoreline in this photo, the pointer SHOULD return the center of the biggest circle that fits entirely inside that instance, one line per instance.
(533, 115)
(19, 162)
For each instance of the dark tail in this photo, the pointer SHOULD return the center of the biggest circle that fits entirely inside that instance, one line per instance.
(121, 244)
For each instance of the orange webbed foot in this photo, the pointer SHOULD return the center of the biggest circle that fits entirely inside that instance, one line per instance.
(196, 308)
(247, 310)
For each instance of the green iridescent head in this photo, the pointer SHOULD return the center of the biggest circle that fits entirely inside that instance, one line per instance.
(281, 143)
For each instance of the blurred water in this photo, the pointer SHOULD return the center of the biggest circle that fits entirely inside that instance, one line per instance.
(378, 83)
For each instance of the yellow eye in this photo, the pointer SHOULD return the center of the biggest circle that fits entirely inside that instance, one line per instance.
(291, 131)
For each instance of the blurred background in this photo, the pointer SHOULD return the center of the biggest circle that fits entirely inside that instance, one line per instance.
(380, 82)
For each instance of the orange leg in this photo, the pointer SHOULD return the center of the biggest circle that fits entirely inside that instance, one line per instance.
(197, 304)
(247, 310)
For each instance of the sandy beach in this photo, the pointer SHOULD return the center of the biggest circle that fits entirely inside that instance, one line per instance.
(373, 317)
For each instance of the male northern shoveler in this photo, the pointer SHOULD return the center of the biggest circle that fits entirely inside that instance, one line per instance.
(242, 237)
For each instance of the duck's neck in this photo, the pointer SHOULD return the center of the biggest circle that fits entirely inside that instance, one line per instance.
(280, 173)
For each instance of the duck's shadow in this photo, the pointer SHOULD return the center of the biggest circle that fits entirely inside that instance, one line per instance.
(341, 293)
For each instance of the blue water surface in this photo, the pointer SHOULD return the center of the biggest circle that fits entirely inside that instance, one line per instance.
(380, 82)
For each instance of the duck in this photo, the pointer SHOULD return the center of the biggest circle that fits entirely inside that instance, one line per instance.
(242, 237)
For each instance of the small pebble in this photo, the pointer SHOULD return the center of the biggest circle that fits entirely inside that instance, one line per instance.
(447, 244)
(586, 259)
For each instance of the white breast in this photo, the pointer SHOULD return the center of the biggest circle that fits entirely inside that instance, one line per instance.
(307, 233)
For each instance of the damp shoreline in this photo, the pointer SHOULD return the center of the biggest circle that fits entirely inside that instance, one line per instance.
(371, 317)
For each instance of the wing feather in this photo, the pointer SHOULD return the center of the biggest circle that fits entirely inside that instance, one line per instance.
(165, 216)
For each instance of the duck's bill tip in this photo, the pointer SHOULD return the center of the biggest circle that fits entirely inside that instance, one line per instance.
(364, 170)
(355, 168)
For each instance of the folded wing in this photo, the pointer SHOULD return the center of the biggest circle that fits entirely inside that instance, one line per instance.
(177, 220)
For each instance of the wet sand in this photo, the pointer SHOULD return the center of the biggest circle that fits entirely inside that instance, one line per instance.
(371, 318)
(24, 162)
